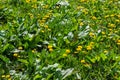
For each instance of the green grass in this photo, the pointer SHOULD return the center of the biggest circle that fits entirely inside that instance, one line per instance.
(51, 39)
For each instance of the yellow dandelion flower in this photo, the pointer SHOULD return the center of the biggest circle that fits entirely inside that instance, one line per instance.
(47, 16)
(118, 16)
(49, 29)
(64, 55)
(105, 51)
(50, 46)
(110, 29)
(93, 0)
(15, 55)
(87, 65)
(89, 48)
(41, 24)
(83, 0)
(103, 32)
(111, 25)
(112, 15)
(57, 7)
(50, 11)
(94, 18)
(44, 18)
(42, 31)
(33, 51)
(75, 52)
(34, 6)
(116, 31)
(34, 0)
(85, 11)
(42, 21)
(18, 56)
(81, 24)
(46, 26)
(9, 79)
(7, 76)
(118, 43)
(106, 16)
(50, 49)
(78, 49)
(67, 51)
(3, 76)
(82, 61)
(79, 7)
(38, 15)
(20, 48)
(91, 43)
(91, 34)
(31, 16)
(27, 1)
(45, 6)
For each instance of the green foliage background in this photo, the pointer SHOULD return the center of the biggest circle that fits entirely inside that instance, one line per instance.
(65, 39)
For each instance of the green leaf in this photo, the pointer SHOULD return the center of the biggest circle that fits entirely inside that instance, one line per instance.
(114, 65)
(93, 60)
(49, 76)
(73, 20)
(97, 58)
(103, 56)
(37, 77)
(5, 47)
(97, 45)
(5, 59)
(31, 57)
(23, 61)
(67, 41)
(98, 39)
(26, 45)
(37, 38)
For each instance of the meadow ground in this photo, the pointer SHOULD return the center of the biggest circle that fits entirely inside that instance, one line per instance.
(59, 39)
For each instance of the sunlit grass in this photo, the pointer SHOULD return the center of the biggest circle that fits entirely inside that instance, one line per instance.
(52, 39)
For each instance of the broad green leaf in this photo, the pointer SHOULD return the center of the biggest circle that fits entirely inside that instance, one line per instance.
(67, 41)
(37, 77)
(97, 58)
(31, 57)
(49, 76)
(5, 47)
(4, 58)
(75, 28)
(26, 45)
(24, 61)
(115, 64)
(98, 39)
(103, 56)
(93, 60)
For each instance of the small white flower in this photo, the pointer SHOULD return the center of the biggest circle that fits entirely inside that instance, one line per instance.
(45, 42)
(99, 31)
(65, 38)
(30, 35)
(70, 34)
(63, 3)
